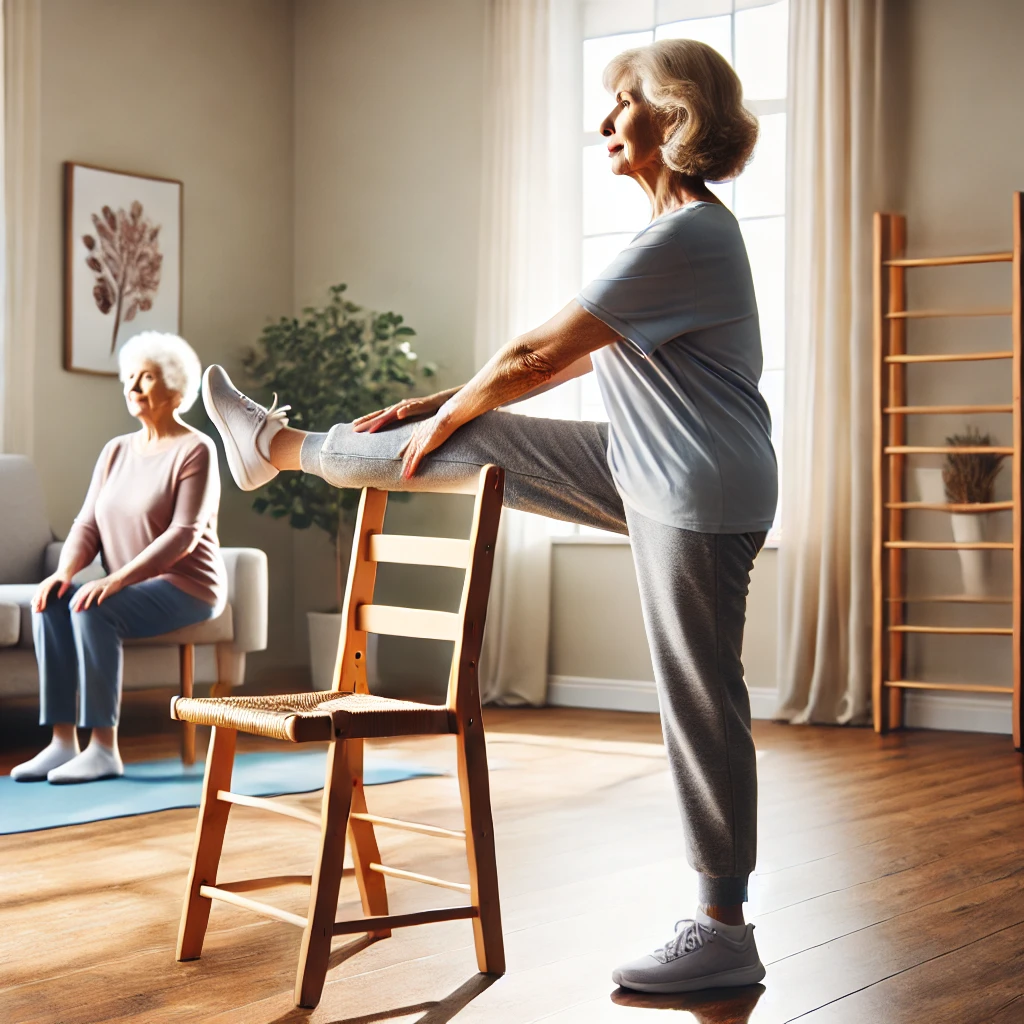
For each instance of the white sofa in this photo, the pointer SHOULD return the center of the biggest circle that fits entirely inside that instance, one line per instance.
(28, 552)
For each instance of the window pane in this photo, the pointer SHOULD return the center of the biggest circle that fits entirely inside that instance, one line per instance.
(716, 32)
(596, 55)
(724, 190)
(773, 388)
(600, 250)
(762, 38)
(766, 247)
(611, 202)
(761, 188)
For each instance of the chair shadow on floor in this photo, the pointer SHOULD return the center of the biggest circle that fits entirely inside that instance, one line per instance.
(709, 1006)
(435, 1011)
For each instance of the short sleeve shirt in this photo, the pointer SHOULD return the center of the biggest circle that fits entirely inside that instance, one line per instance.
(689, 433)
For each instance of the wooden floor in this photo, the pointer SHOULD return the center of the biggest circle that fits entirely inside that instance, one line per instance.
(890, 888)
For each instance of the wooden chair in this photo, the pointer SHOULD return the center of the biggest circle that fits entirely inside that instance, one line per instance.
(345, 717)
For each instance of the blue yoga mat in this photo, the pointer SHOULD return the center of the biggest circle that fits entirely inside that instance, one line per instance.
(149, 786)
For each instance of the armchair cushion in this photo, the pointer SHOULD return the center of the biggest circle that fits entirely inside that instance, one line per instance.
(23, 515)
(10, 624)
(213, 631)
(20, 595)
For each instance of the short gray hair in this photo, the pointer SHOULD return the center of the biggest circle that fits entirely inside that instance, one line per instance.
(179, 365)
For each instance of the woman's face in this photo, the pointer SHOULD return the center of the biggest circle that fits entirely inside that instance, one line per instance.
(146, 394)
(631, 131)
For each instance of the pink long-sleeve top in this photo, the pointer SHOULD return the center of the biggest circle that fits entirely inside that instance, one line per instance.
(156, 514)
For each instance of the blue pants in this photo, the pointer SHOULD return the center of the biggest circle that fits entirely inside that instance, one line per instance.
(82, 651)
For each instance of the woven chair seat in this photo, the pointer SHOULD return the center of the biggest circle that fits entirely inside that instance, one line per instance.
(306, 717)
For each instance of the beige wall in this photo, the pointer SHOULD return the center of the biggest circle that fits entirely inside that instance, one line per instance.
(199, 90)
(387, 177)
(964, 155)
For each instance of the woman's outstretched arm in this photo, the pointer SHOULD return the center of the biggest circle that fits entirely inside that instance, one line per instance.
(537, 360)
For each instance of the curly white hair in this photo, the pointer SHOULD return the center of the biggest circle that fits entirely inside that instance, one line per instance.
(179, 365)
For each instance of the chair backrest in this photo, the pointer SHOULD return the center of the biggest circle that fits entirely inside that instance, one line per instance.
(371, 546)
(24, 527)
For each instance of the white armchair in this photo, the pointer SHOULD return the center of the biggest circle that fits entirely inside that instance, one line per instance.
(211, 652)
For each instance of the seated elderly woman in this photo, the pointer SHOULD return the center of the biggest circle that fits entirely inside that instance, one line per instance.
(151, 513)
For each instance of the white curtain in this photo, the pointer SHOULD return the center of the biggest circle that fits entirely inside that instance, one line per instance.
(21, 171)
(529, 269)
(836, 146)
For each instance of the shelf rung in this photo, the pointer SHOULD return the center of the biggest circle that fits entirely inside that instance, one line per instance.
(950, 545)
(385, 922)
(411, 826)
(944, 410)
(263, 804)
(270, 882)
(913, 684)
(925, 314)
(947, 449)
(951, 357)
(971, 506)
(950, 261)
(412, 876)
(949, 599)
(955, 630)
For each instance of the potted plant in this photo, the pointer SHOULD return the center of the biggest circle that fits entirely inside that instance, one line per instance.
(334, 363)
(969, 478)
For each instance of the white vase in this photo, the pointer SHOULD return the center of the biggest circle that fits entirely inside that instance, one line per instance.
(975, 570)
(324, 633)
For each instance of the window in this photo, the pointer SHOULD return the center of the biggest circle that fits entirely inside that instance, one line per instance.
(752, 35)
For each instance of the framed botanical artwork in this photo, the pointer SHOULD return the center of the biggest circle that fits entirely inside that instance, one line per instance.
(122, 262)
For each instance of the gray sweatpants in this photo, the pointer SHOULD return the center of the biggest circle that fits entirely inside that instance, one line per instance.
(693, 589)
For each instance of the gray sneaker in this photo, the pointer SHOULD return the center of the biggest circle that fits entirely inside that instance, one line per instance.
(700, 955)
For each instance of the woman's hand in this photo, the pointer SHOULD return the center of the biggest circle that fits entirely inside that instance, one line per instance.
(426, 436)
(96, 592)
(40, 597)
(407, 408)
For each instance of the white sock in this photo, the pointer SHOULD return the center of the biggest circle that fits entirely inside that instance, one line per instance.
(57, 753)
(731, 931)
(95, 762)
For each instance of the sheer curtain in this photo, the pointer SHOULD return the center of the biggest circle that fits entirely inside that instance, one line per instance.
(835, 183)
(529, 269)
(21, 170)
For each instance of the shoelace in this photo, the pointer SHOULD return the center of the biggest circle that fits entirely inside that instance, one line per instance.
(274, 413)
(690, 935)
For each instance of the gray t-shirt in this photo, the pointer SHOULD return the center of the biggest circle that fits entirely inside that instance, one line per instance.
(689, 433)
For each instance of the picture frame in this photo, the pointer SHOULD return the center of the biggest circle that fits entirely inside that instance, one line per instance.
(123, 262)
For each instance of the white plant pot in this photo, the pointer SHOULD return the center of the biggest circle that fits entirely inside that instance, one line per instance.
(324, 633)
(975, 566)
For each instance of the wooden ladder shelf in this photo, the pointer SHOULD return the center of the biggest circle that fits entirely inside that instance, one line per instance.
(890, 452)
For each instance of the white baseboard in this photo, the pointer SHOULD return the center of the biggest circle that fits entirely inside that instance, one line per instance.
(961, 713)
(631, 695)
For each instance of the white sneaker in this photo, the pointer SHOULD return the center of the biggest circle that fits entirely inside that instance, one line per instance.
(245, 427)
(94, 763)
(704, 953)
(53, 756)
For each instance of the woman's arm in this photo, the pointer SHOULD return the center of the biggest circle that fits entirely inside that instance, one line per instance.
(532, 361)
(582, 366)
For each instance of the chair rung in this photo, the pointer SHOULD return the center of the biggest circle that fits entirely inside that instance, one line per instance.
(270, 882)
(411, 826)
(388, 921)
(262, 804)
(212, 892)
(424, 623)
(452, 553)
(412, 876)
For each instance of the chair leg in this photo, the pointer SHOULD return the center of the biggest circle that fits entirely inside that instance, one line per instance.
(187, 666)
(213, 820)
(372, 888)
(315, 951)
(483, 869)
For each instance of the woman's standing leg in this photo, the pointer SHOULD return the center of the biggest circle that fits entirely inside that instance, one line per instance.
(693, 590)
(58, 686)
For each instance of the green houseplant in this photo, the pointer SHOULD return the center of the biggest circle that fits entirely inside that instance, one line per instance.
(333, 363)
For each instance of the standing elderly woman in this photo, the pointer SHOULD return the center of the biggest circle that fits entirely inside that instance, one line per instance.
(685, 466)
(151, 513)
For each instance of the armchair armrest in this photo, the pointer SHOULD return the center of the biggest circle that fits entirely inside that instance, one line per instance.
(51, 559)
(248, 590)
